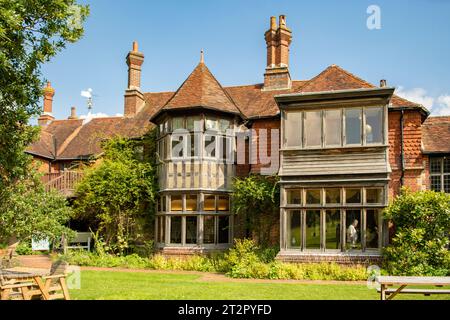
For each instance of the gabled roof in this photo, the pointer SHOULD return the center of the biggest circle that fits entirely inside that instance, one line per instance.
(201, 89)
(436, 135)
(336, 78)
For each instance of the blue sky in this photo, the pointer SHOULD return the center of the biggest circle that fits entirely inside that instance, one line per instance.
(411, 50)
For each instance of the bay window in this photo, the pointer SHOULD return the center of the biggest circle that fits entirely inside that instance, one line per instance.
(334, 219)
(194, 219)
(334, 127)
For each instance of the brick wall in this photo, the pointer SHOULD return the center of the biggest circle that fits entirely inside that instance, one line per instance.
(415, 164)
(264, 148)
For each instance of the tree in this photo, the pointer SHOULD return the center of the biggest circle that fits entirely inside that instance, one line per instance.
(31, 33)
(28, 211)
(420, 244)
(117, 193)
(257, 199)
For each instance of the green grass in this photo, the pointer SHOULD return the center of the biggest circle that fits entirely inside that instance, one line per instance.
(104, 285)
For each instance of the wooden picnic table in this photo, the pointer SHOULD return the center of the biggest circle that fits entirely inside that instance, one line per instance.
(25, 275)
(402, 282)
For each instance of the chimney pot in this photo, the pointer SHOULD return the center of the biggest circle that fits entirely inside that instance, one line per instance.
(383, 83)
(73, 113)
(273, 23)
(282, 20)
(135, 46)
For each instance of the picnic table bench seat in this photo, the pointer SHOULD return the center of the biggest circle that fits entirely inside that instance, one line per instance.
(403, 282)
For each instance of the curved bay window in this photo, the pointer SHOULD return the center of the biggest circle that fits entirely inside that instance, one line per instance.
(194, 220)
(335, 219)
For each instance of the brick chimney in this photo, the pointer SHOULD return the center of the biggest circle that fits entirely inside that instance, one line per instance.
(278, 39)
(134, 99)
(46, 117)
(73, 113)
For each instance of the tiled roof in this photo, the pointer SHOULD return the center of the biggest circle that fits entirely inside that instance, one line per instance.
(201, 89)
(436, 135)
(72, 140)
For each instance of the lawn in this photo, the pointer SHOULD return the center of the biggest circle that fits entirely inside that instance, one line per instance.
(106, 285)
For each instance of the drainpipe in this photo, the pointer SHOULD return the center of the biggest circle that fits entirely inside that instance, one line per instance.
(402, 156)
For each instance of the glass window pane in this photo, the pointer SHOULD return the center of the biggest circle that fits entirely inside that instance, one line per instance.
(435, 165)
(374, 195)
(224, 203)
(177, 146)
(176, 203)
(372, 228)
(333, 196)
(208, 230)
(353, 123)
(446, 165)
(353, 195)
(191, 202)
(193, 123)
(312, 229)
(209, 203)
(210, 146)
(294, 231)
(224, 125)
(177, 123)
(447, 184)
(191, 230)
(211, 124)
(293, 129)
(374, 125)
(294, 196)
(175, 230)
(436, 183)
(313, 196)
(313, 128)
(333, 229)
(333, 124)
(224, 229)
(353, 229)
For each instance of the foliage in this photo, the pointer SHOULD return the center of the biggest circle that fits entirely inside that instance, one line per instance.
(31, 33)
(257, 198)
(116, 193)
(245, 260)
(29, 211)
(420, 245)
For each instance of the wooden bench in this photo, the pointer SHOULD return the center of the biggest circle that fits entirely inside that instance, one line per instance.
(82, 241)
(402, 282)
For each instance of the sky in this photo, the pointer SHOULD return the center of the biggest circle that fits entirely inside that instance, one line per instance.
(410, 49)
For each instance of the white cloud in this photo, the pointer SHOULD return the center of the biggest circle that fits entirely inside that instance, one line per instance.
(417, 95)
(439, 106)
(443, 106)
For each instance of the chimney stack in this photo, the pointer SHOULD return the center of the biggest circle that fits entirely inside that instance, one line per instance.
(383, 83)
(47, 116)
(278, 39)
(134, 99)
(73, 113)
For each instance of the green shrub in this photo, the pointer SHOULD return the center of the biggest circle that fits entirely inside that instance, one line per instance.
(419, 247)
(24, 248)
(244, 260)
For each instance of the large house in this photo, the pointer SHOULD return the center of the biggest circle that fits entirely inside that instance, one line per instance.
(342, 147)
